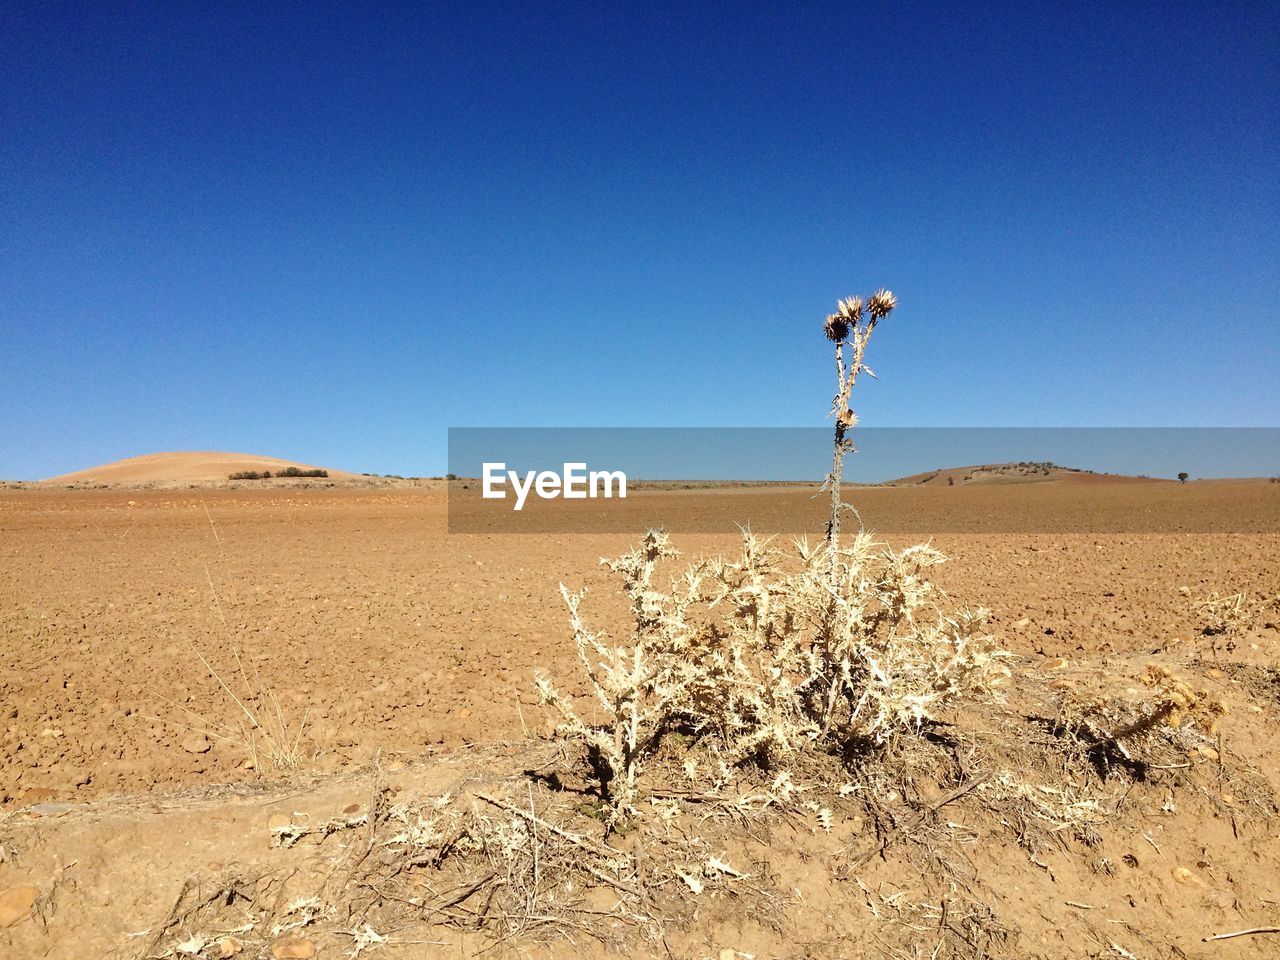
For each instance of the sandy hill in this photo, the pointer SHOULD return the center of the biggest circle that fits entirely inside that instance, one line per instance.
(1021, 472)
(180, 468)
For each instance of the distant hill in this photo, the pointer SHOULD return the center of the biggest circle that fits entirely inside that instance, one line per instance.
(1024, 471)
(181, 468)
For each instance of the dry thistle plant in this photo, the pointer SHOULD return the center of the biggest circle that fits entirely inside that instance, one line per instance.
(1177, 704)
(641, 685)
(845, 653)
(1224, 618)
(1174, 719)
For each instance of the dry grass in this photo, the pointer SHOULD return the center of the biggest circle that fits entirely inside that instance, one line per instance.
(493, 854)
(1225, 619)
(1225, 616)
(258, 725)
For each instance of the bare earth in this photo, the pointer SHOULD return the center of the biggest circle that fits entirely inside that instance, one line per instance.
(400, 643)
(178, 468)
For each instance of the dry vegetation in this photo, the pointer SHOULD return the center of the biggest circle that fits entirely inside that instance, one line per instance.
(756, 666)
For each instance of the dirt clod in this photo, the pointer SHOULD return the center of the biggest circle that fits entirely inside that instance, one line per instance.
(196, 743)
(16, 904)
(293, 948)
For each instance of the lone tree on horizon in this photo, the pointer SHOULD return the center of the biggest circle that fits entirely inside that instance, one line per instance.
(1182, 477)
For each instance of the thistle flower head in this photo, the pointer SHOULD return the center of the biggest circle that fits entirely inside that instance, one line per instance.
(836, 328)
(881, 304)
(851, 309)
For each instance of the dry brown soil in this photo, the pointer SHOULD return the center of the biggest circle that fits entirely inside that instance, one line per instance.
(359, 611)
(361, 614)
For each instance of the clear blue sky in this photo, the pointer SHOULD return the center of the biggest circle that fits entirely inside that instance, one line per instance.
(328, 232)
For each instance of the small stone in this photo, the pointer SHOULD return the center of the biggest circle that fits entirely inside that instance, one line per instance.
(293, 948)
(1057, 663)
(1215, 673)
(603, 899)
(728, 953)
(1183, 875)
(330, 763)
(78, 777)
(464, 713)
(1184, 591)
(278, 821)
(229, 947)
(1022, 624)
(16, 904)
(351, 808)
(196, 743)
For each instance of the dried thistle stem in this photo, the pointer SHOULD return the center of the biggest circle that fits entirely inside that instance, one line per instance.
(849, 325)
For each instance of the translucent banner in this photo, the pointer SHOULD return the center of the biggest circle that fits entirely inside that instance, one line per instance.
(908, 480)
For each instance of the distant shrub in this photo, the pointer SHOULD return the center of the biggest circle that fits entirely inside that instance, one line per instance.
(1183, 476)
(286, 472)
(1040, 466)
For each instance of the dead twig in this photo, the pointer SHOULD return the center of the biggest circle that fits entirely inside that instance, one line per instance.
(894, 832)
(168, 920)
(456, 898)
(579, 841)
(1252, 931)
(599, 850)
